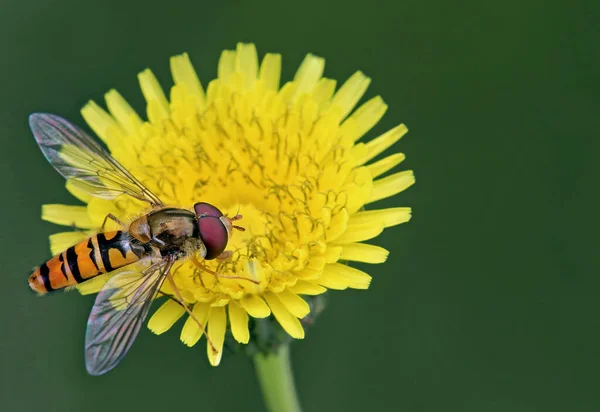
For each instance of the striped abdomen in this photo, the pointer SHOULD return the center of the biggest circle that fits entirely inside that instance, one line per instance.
(99, 254)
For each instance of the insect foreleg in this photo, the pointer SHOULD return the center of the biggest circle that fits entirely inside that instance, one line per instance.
(113, 218)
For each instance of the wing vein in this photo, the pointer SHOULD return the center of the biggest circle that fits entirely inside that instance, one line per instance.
(76, 156)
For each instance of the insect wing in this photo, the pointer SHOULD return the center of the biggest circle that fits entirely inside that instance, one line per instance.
(76, 156)
(118, 314)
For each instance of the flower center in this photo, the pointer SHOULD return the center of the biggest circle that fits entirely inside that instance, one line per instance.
(288, 191)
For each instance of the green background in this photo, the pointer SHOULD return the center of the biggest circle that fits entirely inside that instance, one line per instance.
(489, 300)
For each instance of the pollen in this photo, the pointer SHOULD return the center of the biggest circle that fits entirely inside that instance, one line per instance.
(290, 159)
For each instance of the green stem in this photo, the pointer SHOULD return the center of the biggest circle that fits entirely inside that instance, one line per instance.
(274, 373)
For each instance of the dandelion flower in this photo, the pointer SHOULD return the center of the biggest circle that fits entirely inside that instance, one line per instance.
(288, 158)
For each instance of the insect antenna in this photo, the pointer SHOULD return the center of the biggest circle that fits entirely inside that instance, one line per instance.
(234, 218)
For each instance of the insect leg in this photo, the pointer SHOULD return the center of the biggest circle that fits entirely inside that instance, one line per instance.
(157, 241)
(113, 218)
(217, 275)
(78, 229)
(182, 302)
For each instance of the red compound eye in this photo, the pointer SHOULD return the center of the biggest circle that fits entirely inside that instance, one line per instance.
(213, 234)
(206, 209)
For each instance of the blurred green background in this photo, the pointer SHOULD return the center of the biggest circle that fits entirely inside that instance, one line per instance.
(489, 300)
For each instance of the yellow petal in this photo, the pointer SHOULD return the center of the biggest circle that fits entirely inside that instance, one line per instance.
(380, 167)
(154, 93)
(359, 233)
(316, 264)
(367, 116)
(338, 225)
(122, 111)
(217, 324)
(165, 317)
(183, 72)
(100, 122)
(359, 154)
(362, 252)
(308, 74)
(332, 280)
(360, 190)
(191, 333)
(332, 254)
(82, 195)
(304, 287)
(304, 274)
(380, 143)
(350, 93)
(239, 322)
(294, 303)
(59, 242)
(356, 279)
(288, 322)
(94, 285)
(323, 91)
(287, 92)
(74, 216)
(226, 65)
(270, 71)
(255, 306)
(389, 217)
(247, 63)
(391, 185)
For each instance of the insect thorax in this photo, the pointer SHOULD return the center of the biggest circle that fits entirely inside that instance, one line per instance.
(174, 231)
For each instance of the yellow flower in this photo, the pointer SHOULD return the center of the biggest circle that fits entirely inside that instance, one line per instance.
(289, 159)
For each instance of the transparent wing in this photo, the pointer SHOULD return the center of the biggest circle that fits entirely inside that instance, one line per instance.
(76, 156)
(118, 314)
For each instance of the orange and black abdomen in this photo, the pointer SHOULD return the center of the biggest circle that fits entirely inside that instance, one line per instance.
(101, 253)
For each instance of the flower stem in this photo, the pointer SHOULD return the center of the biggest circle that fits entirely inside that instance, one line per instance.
(274, 372)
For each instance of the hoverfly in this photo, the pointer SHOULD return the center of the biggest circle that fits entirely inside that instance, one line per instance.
(162, 237)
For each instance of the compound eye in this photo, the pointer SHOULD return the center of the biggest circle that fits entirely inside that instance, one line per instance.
(213, 234)
(206, 209)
